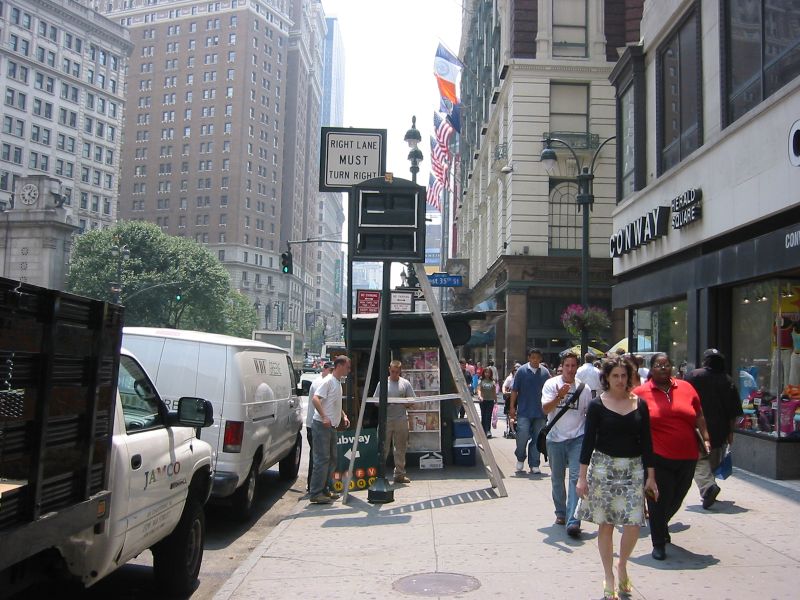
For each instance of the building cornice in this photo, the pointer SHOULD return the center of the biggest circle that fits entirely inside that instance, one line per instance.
(89, 21)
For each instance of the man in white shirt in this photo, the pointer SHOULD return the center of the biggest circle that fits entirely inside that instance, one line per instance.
(589, 374)
(397, 420)
(327, 367)
(328, 413)
(565, 438)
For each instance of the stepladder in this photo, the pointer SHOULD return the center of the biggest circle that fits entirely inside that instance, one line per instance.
(449, 351)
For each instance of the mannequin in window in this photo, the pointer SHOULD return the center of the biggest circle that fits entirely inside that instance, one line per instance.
(782, 354)
(794, 368)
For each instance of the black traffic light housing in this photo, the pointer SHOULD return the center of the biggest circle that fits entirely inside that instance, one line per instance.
(178, 295)
(286, 262)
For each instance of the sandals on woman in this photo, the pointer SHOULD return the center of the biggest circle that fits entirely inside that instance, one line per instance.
(625, 586)
(609, 593)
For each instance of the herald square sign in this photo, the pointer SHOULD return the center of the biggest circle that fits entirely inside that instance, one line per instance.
(349, 156)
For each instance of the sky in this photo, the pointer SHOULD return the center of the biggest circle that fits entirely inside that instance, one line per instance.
(389, 46)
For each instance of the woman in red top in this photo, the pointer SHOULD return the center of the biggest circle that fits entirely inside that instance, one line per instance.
(675, 412)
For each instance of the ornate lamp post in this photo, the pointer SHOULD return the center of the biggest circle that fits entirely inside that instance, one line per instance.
(584, 200)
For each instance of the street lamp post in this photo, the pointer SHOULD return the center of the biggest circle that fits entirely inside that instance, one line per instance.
(413, 139)
(584, 200)
(121, 254)
(257, 307)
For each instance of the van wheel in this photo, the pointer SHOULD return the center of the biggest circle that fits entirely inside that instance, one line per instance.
(244, 497)
(177, 558)
(289, 465)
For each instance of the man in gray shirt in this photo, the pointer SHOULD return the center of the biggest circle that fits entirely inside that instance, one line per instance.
(397, 420)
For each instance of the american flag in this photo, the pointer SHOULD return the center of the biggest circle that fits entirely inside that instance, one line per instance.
(439, 161)
(434, 192)
(436, 152)
(444, 132)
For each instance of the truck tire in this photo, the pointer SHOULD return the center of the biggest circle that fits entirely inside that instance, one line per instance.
(177, 558)
(244, 497)
(289, 465)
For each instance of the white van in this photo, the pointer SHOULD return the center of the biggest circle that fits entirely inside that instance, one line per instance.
(253, 390)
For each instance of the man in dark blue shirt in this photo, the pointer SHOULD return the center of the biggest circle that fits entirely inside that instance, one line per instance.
(526, 406)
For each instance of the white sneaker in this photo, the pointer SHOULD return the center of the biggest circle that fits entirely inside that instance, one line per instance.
(520, 465)
(536, 471)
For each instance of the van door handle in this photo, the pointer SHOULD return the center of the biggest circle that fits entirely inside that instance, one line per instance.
(136, 461)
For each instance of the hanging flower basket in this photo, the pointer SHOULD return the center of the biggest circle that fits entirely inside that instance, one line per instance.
(576, 319)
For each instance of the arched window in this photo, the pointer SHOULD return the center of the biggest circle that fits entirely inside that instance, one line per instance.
(564, 231)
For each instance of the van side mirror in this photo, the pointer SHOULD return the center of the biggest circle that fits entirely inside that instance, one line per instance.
(195, 412)
(304, 388)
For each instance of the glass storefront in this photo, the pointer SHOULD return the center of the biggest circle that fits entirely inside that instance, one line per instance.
(766, 355)
(662, 328)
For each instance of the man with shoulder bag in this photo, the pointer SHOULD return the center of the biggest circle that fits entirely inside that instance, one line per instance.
(564, 437)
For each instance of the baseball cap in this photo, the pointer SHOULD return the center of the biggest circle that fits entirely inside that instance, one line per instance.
(328, 365)
(712, 352)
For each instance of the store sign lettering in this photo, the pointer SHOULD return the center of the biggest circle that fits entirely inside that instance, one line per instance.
(686, 208)
(642, 231)
(793, 239)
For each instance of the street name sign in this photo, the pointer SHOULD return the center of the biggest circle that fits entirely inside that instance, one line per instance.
(349, 156)
(445, 280)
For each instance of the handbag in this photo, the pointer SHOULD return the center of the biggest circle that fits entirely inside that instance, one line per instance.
(541, 439)
(494, 415)
(725, 467)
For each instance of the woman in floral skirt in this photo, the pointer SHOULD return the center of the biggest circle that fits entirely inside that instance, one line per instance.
(616, 451)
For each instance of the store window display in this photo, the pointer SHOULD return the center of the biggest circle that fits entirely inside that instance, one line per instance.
(662, 328)
(768, 366)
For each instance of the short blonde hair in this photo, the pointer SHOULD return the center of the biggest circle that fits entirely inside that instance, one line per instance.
(396, 364)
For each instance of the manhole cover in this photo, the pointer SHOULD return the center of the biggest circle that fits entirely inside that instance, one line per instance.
(436, 584)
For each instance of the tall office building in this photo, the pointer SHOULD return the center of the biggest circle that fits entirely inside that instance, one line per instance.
(222, 98)
(62, 72)
(329, 218)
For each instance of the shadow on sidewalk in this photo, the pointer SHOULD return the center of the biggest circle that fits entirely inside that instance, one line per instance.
(725, 507)
(556, 536)
(678, 559)
(378, 514)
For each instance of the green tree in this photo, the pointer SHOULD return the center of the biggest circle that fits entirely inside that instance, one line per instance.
(158, 266)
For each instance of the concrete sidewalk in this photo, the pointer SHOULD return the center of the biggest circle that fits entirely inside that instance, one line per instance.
(450, 521)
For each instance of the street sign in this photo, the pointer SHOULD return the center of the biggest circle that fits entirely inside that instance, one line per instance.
(349, 156)
(445, 280)
(365, 468)
(401, 302)
(368, 302)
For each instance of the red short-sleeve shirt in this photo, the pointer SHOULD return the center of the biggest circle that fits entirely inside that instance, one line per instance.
(673, 418)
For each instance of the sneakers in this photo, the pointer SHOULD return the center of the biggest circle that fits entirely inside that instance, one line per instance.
(331, 495)
(321, 499)
(536, 471)
(520, 466)
(710, 496)
(402, 479)
(561, 521)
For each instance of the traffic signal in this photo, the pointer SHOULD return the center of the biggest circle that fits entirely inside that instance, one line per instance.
(178, 295)
(286, 262)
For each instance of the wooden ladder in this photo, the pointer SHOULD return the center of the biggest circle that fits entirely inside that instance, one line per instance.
(493, 473)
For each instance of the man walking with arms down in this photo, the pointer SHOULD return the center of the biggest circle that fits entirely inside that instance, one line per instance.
(526, 407)
(721, 406)
(565, 438)
(327, 400)
(397, 420)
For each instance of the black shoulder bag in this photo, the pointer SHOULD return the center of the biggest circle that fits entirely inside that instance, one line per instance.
(541, 439)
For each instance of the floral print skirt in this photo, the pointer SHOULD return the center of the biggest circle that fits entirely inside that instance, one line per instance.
(616, 491)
